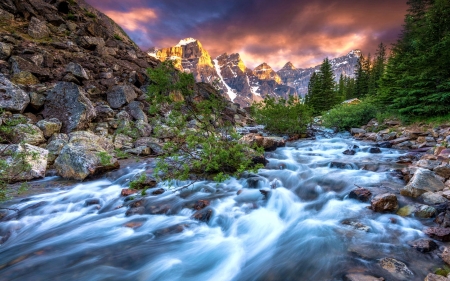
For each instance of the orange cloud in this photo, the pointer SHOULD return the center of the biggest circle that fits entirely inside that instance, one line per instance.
(134, 19)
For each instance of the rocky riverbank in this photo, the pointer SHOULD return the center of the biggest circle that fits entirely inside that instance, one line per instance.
(427, 178)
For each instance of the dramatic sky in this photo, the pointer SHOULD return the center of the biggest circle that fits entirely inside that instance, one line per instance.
(273, 31)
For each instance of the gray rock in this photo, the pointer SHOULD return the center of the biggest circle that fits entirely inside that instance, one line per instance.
(5, 16)
(37, 100)
(431, 198)
(104, 112)
(28, 133)
(397, 268)
(428, 164)
(5, 50)
(144, 128)
(123, 142)
(140, 150)
(152, 143)
(435, 277)
(79, 162)
(49, 126)
(12, 98)
(19, 64)
(59, 137)
(77, 71)
(90, 140)
(38, 163)
(54, 148)
(442, 170)
(423, 180)
(355, 131)
(134, 108)
(424, 212)
(120, 95)
(38, 29)
(123, 115)
(90, 43)
(68, 103)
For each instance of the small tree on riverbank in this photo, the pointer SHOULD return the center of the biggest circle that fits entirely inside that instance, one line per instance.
(203, 142)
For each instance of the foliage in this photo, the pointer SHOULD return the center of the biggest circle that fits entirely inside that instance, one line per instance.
(128, 129)
(71, 16)
(346, 116)
(139, 182)
(417, 78)
(23, 188)
(91, 15)
(117, 37)
(281, 116)
(105, 158)
(444, 271)
(121, 154)
(203, 141)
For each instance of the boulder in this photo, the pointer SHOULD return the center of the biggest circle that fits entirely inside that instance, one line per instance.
(5, 16)
(442, 170)
(37, 100)
(104, 112)
(397, 268)
(38, 29)
(423, 180)
(54, 148)
(12, 98)
(120, 95)
(424, 211)
(27, 133)
(355, 131)
(446, 255)
(439, 233)
(435, 277)
(79, 162)
(143, 128)
(152, 143)
(77, 71)
(68, 103)
(140, 151)
(5, 51)
(386, 202)
(361, 194)
(349, 152)
(24, 78)
(35, 157)
(374, 150)
(134, 108)
(268, 143)
(431, 198)
(443, 219)
(424, 245)
(90, 43)
(122, 141)
(49, 126)
(19, 64)
(90, 140)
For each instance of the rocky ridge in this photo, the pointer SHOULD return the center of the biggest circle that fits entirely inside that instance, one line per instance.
(72, 88)
(241, 84)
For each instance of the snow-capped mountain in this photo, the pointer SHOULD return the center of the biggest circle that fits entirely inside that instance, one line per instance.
(241, 84)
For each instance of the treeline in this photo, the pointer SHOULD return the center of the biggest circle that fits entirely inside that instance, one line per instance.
(413, 81)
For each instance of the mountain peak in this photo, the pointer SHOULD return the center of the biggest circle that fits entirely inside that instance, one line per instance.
(186, 41)
(263, 67)
(265, 72)
(289, 66)
(355, 52)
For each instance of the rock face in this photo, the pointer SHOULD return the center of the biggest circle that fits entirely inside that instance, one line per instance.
(15, 171)
(12, 98)
(423, 180)
(68, 103)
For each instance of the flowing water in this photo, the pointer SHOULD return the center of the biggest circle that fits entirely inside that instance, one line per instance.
(285, 223)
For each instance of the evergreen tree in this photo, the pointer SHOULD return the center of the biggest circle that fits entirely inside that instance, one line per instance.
(379, 65)
(362, 76)
(321, 89)
(341, 89)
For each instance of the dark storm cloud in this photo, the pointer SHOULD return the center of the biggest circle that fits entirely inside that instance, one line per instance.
(303, 32)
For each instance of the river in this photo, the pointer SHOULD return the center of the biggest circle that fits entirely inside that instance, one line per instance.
(283, 223)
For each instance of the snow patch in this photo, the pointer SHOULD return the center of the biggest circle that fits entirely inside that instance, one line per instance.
(185, 42)
(231, 93)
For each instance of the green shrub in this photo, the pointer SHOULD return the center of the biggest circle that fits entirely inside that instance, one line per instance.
(138, 183)
(117, 37)
(91, 15)
(281, 116)
(203, 141)
(105, 158)
(347, 116)
(71, 16)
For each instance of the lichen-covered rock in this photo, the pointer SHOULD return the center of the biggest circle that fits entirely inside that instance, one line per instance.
(423, 180)
(37, 100)
(143, 128)
(90, 43)
(104, 112)
(68, 103)
(77, 70)
(435, 277)
(397, 268)
(79, 162)
(5, 16)
(24, 78)
(54, 148)
(19, 64)
(122, 141)
(38, 29)
(88, 139)
(268, 143)
(386, 202)
(12, 98)
(152, 143)
(5, 50)
(28, 133)
(134, 108)
(49, 126)
(120, 95)
(34, 157)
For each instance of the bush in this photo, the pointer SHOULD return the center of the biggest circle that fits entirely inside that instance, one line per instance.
(281, 116)
(347, 116)
(117, 37)
(203, 142)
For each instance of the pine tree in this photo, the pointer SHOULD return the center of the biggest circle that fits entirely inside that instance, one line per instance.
(379, 65)
(362, 75)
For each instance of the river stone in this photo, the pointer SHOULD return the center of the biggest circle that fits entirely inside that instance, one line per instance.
(37, 100)
(49, 126)
(134, 108)
(90, 140)
(77, 71)
(356, 225)
(349, 152)
(120, 95)
(5, 50)
(443, 219)
(79, 162)
(431, 198)
(268, 143)
(38, 29)
(12, 98)
(439, 233)
(374, 150)
(203, 215)
(36, 158)
(442, 170)
(397, 268)
(140, 151)
(54, 148)
(423, 245)
(435, 277)
(355, 131)
(428, 164)
(28, 133)
(386, 202)
(406, 210)
(362, 277)
(361, 194)
(423, 180)
(446, 255)
(122, 141)
(424, 211)
(152, 143)
(68, 103)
